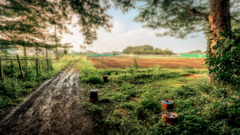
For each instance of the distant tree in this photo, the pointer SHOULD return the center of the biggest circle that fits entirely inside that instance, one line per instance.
(65, 51)
(135, 52)
(128, 50)
(147, 47)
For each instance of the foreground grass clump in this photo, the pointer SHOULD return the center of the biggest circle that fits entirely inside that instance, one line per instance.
(13, 88)
(130, 103)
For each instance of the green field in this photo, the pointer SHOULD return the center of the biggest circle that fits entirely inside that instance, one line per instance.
(156, 57)
(130, 103)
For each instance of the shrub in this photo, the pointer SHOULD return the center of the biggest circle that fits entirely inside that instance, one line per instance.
(94, 79)
(130, 105)
(96, 108)
(135, 64)
(105, 99)
(226, 61)
(149, 102)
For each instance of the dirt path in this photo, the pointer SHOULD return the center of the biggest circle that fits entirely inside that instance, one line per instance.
(53, 108)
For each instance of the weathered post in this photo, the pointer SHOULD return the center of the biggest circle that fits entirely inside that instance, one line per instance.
(37, 66)
(20, 67)
(11, 66)
(26, 76)
(47, 59)
(1, 68)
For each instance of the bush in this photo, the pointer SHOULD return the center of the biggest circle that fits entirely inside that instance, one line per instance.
(130, 105)
(149, 102)
(135, 64)
(94, 79)
(226, 61)
(96, 108)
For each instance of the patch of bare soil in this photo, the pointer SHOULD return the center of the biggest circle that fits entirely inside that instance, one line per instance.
(195, 75)
(53, 108)
(145, 63)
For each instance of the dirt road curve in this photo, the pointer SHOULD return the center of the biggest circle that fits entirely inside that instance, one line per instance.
(53, 108)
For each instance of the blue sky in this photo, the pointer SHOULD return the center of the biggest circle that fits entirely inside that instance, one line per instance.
(126, 32)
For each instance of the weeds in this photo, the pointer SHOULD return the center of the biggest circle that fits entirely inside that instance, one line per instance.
(133, 99)
(11, 87)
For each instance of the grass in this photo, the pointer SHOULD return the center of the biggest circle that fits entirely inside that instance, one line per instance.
(13, 88)
(159, 57)
(130, 103)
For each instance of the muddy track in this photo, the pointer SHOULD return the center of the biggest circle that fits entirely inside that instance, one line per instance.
(53, 108)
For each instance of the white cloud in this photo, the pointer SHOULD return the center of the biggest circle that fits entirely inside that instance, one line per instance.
(118, 26)
(140, 33)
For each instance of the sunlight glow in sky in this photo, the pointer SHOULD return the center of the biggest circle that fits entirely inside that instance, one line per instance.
(128, 33)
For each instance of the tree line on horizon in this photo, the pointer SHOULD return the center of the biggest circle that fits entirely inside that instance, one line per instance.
(146, 49)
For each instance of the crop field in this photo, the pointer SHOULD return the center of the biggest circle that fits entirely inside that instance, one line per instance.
(146, 63)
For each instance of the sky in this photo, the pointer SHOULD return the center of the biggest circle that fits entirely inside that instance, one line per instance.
(126, 32)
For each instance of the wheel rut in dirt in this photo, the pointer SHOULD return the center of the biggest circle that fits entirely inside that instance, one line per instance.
(53, 108)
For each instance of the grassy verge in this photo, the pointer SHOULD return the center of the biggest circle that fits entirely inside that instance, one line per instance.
(130, 103)
(156, 57)
(13, 89)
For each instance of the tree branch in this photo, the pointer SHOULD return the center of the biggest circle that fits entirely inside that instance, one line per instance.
(195, 12)
(235, 19)
(180, 6)
(185, 4)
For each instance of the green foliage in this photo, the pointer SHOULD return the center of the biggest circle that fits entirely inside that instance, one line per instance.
(135, 108)
(130, 105)
(226, 61)
(93, 79)
(12, 86)
(33, 24)
(102, 64)
(95, 108)
(135, 64)
(181, 17)
(65, 52)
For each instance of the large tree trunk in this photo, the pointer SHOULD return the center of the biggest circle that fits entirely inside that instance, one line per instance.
(219, 21)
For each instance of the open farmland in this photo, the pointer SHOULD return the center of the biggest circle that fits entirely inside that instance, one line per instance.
(145, 63)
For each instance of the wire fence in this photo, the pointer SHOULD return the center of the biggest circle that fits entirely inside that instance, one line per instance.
(22, 67)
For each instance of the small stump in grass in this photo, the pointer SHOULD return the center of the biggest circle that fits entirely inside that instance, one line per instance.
(105, 78)
(93, 95)
(169, 117)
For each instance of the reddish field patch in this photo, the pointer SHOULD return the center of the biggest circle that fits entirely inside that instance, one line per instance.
(145, 63)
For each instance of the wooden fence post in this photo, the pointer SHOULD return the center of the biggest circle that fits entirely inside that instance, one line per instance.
(39, 63)
(47, 59)
(37, 66)
(11, 66)
(1, 68)
(20, 67)
(26, 75)
(47, 64)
